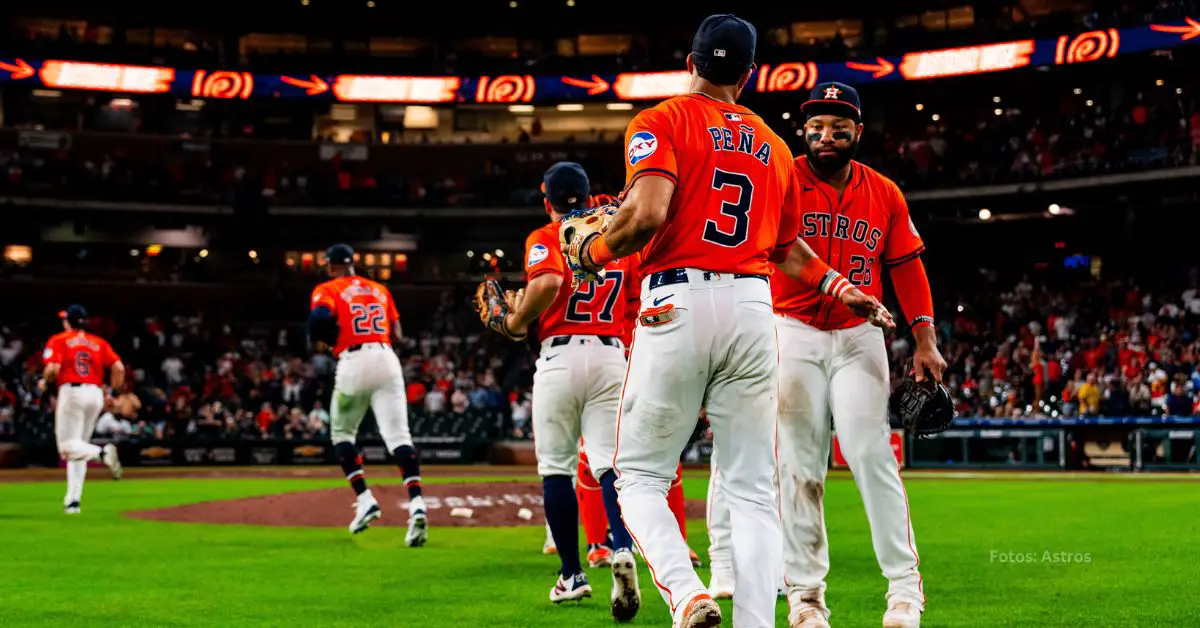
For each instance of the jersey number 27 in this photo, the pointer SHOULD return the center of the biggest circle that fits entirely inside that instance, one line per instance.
(588, 293)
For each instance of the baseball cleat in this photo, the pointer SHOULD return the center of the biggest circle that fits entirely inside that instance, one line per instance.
(809, 617)
(108, 455)
(701, 612)
(695, 558)
(599, 556)
(366, 510)
(418, 529)
(626, 596)
(901, 614)
(71, 508)
(721, 585)
(571, 588)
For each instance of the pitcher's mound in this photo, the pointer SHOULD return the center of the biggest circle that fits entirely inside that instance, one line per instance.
(488, 503)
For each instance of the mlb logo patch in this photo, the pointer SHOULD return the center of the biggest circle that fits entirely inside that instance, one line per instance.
(733, 117)
(641, 145)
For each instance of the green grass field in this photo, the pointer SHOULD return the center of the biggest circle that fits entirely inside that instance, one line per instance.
(105, 569)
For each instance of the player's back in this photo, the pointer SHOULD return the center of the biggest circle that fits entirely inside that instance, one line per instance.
(600, 308)
(364, 310)
(81, 356)
(732, 174)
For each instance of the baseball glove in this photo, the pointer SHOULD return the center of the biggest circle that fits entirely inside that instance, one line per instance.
(494, 305)
(576, 233)
(924, 407)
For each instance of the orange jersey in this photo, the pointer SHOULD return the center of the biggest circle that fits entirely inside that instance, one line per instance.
(80, 356)
(868, 225)
(364, 310)
(603, 308)
(733, 202)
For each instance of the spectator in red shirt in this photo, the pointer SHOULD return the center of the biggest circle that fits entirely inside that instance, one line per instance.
(264, 419)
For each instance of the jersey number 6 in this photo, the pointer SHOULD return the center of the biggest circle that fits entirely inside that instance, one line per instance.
(368, 319)
(738, 210)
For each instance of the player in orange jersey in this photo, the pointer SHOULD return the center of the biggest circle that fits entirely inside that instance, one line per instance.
(833, 363)
(576, 385)
(76, 360)
(358, 319)
(710, 201)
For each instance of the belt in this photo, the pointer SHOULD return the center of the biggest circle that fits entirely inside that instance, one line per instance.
(561, 341)
(679, 275)
(353, 348)
(75, 384)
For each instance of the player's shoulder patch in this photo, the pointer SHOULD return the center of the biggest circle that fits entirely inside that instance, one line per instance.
(641, 145)
(537, 253)
(913, 227)
(48, 353)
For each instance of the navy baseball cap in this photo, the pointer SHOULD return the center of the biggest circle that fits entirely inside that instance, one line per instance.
(74, 313)
(566, 185)
(339, 254)
(724, 41)
(834, 99)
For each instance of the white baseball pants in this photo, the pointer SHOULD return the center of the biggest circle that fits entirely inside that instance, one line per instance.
(843, 373)
(720, 353)
(75, 414)
(370, 378)
(576, 392)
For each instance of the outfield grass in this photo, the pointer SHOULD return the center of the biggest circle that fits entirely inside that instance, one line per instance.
(105, 569)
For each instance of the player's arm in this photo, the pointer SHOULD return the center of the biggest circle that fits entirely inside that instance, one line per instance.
(394, 315)
(545, 274)
(540, 293)
(651, 173)
(116, 375)
(52, 356)
(902, 256)
(322, 322)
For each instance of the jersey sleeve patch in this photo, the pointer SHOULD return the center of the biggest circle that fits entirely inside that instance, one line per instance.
(48, 353)
(537, 253)
(641, 145)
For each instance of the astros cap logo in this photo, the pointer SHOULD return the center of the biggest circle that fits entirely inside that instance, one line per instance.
(832, 92)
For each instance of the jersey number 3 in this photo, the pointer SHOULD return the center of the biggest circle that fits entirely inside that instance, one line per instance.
(587, 293)
(738, 210)
(368, 319)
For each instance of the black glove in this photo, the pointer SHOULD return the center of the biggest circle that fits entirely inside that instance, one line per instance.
(924, 407)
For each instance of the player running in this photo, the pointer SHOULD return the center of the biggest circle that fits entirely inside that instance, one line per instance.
(709, 200)
(576, 383)
(358, 318)
(76, 360)
(834, 362)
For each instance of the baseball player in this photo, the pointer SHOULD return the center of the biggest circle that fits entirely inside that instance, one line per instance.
(576, 383)
(76, 360)
(709, 200)
(832, 363)
(358, 319)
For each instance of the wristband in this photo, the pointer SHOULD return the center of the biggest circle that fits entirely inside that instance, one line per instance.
(599, 254)
(921, 321)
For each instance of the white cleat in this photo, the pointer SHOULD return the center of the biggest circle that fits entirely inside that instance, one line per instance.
(901, 614)
(366, 511)
(108, 455)
(809, 618)
(71, 508)
(700, 612)
(571, 589)
(418, 529)
(721, 586)
(626, 596)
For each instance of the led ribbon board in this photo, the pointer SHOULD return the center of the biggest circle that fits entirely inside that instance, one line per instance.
(791, 76)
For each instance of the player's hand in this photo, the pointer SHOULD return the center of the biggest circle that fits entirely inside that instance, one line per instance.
(869, 308)
(41, 386)
(928, 358)
(514, 298)
(576, 233)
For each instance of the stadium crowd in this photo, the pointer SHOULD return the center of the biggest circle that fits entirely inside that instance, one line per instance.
(1109, 348)
(190, 376)
(1155, 128)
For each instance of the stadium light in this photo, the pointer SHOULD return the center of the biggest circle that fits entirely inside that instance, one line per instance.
(1054, 209)
(571, 106)
(513, 4)
(998, 111)
(1178, 90)
(133, 253)
(787, 115)
(985, 214)
(920, 107)
(619, 106)
(996, 99)
(1159, 82)
(799, 132)
(935, 117)
(1078, 91)
(499, 253)
(487, 256)
(470, 253)
(520, 108)
(370, 4)
(1091, 102)
(570, 3)
(253, 254)
(203, 253)
(960, 308)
